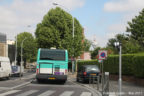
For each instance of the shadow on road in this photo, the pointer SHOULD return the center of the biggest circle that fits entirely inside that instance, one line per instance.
(48, 82)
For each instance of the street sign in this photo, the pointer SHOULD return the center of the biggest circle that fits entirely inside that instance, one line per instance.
(102, 54)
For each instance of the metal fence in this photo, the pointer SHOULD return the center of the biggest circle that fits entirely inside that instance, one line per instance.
(94, 81)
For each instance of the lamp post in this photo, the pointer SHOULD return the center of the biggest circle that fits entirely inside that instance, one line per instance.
(119, 46)
(72, 34)
(15, 52)
(16, 48)
(21, 57)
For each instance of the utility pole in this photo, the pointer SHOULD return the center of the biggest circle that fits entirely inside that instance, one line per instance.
(119, 46)
(21, 57)
(16, 52)
(56, 4)
(120, 69)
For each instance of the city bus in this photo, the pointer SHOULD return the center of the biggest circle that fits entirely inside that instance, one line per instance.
(52, 64)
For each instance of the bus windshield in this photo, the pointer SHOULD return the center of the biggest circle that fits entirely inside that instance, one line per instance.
(58, 55)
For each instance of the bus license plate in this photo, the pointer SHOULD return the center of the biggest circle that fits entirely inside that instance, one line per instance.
(93, 74)
(51, 78)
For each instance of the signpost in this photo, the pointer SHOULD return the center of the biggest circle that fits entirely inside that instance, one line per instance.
(102, 54)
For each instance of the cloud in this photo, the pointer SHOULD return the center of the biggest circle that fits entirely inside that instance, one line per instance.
(115, 29)
(124, 5)
(16, 16)
(128, 9)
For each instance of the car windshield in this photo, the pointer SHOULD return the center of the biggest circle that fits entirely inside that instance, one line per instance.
(92, 68)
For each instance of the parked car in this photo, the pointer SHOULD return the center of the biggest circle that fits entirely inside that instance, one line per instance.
(5, 67)
(16, 70)
(86, 71)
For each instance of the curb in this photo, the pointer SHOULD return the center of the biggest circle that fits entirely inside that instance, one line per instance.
(93, 91)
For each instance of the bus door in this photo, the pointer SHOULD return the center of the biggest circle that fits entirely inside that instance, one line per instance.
(46, 68)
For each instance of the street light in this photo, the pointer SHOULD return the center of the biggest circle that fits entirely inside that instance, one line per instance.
(72, 33)
(119, 46)
(21, 57)
(16, 48)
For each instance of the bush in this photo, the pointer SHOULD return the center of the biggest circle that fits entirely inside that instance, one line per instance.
(138, 67)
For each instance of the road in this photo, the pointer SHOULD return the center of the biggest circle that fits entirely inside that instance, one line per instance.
(28, 86)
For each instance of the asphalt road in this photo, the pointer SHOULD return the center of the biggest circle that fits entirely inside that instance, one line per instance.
(28, 86)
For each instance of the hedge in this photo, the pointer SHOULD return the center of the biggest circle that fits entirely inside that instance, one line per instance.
(132, 64)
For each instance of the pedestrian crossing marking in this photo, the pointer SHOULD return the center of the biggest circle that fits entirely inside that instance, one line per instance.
(67, 93)
(27, 93)
(47, 93)
(9, 92)
(86, 94)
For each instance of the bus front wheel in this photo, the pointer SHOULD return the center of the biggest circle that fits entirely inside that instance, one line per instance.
(38, 80)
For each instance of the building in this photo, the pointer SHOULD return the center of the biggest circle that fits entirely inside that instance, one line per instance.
(2, 38)
(7, 47)
(3, 45)
(85, 56)
(10, 42)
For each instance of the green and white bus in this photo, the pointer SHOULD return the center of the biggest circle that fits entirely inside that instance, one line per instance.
(52, 64)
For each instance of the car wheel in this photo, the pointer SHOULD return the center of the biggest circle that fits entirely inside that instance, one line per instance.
(77, 79)
(8, 78)
(82, 80)
(38, 80)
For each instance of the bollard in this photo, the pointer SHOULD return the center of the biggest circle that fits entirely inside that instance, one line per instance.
(106, 87)
(98, 83)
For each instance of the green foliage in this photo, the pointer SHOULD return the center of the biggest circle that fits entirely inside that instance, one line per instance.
(136, 28)
(95, 53)
(129, 45)
(87, 45)
(139, 66)
(56, 30)
(29, 46)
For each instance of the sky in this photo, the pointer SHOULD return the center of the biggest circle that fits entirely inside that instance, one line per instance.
(101, 19)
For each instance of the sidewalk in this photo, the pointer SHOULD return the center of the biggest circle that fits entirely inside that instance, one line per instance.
(70, 75)
(72, 78)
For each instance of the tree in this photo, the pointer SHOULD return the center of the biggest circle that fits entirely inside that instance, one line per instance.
(87, 45)
(95, 53)
(55, 30)
(129, 45)
(136, 28)
(29, 46)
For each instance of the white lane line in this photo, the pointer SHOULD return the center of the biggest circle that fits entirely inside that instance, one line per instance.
(9, 92)
(27, 93)
(47, 93)
(67, 93)
(86, 94)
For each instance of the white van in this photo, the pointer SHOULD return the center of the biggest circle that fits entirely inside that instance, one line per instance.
(5, 67)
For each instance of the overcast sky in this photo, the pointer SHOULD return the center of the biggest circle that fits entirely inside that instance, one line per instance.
(101, 19)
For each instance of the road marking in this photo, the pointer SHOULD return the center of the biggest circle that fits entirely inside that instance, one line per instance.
(86, 94)
(27, 93)
(9, 92)
(67, 93)
(47, 93)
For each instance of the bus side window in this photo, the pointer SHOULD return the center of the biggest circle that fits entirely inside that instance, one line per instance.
(0, 64)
